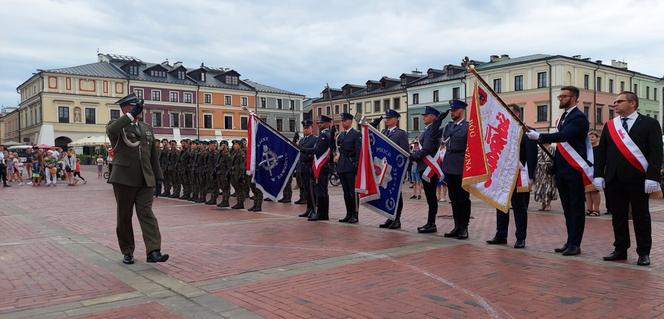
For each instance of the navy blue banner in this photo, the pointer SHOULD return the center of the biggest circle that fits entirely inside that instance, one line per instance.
(276, 159)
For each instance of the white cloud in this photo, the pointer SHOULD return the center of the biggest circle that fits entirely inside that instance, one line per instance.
(301, 45)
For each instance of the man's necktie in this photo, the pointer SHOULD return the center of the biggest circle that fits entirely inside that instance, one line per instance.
(562, 119)
(624, 123)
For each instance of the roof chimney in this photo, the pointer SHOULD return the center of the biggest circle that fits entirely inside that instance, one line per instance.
(619, 64)
(494, 58)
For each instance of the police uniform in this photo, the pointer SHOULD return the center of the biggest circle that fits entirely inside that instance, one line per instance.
(325, 142)
(455, 135)
(305, 171)
(136, 173)
(348, 144)
(399, 137)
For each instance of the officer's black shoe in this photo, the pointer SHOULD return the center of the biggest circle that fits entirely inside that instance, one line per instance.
(453, 233)
(386, 224)
(463, 233)
(428, 228)
(223, 204)
(561, 249)
(353, 219)
(251, 209)
(155, 256)
(305, 214)
(211, 202)
(345, 219)
(165, 194)
(520, 243)
(128, 259)
(257, 209)
(184, 197)
(572, 251)
(395, 225)
(313, 216)
(238, 206)
(174, 196)
(284, 200)
(616, 255)
(644, 260)
(497, 241)
(300, 201)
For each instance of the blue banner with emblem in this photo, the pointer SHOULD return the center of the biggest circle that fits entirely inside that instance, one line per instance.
(388, 163)
(273, 159)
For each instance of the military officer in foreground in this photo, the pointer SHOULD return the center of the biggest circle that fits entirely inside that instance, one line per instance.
(304, 167)
(349, 151)
(134, 177)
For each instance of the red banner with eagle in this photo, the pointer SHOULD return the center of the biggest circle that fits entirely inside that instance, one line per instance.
(491, 162)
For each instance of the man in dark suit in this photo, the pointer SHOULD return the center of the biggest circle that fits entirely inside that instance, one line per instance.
(348, 144)
(134, 178)
(323, 148)
(455, 135)
(573, 129)
(628, 182)
(520, 196)
(304, 167)
(399, 137)
(429, 140)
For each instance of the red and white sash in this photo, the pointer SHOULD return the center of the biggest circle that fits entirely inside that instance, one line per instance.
(626, 146)
(433, 168)
(523, 180)
(318, 163)
(578, 163)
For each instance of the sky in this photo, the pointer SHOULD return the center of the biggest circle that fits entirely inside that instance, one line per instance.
(301, 46)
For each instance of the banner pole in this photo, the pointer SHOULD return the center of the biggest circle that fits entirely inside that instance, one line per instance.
(268, 125)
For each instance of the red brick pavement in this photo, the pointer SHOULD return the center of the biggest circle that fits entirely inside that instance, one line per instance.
(459, 282)
(151, 310)
(42, 273)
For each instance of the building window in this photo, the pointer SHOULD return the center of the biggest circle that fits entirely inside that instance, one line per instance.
(243, 123)
(231, 80)
(187, 98)
(416, 123)
(396, 103)
(636, 89)
(376, 106)
(610, 85)
(188, 120)
(181, 75)
(436, 96)
(90, 115)
(518, 83)
(599, 84)
(63, 114)
(456, 93)
(386, 104)
(156, 119)
(367, 107)
(497, 85)
(654, 93)
(175, 119)
(611, 113)
(207, 98)
(345, 108)
(622, 86)
(207, 120)
(202, 76)
(599, 118)
(280, 104)
(264, 104)
(244, 101)
(336, 109)
(156, 95)
(175, 97)
(115, 114)
(228, 122)
(133, 70)
(227, 100)
(647, 93)
(586, 109)
(158, 74)
(358, 107)
(291, 125)
(327, 110)
(292, 104)
(416, 98)
(542, 113)
(280, 125)
(541, 80)
(139, 93)
(586, 81)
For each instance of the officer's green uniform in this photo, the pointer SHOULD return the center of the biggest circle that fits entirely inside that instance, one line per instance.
(135, 171)
(239, 177)
(258, 197)
(172, 170)
(201, 171)
(222, 168)
(211, 180)
(193, 170)
(163, 163)
(183, 172)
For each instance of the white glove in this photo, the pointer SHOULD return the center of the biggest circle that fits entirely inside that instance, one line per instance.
(599, 183)
(533, 135)
(652, 186)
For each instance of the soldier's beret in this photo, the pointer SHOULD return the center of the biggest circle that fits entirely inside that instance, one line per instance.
(457, 104)
(391, 114)
(346, 116)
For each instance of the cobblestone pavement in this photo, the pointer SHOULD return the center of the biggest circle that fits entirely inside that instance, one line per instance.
(59, 259)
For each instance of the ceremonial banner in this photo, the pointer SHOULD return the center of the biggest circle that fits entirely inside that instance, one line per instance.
(491, 162)
(381, 171)
(271, 158)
